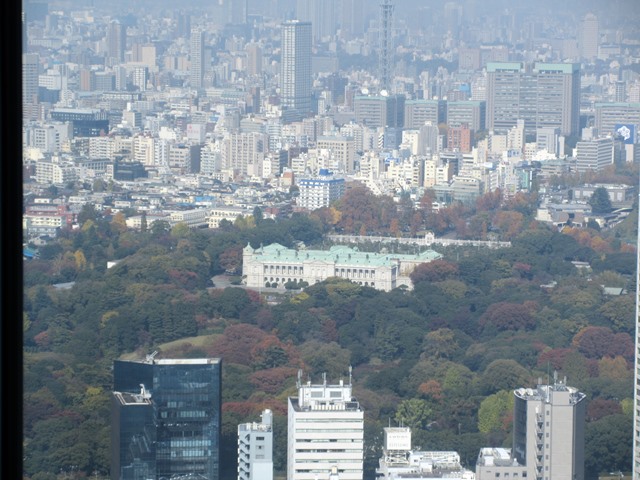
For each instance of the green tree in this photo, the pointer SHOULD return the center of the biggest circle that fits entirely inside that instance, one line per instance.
(414, 413)
(600, 201)
(608, 445)
(495, 412)
(257, 216)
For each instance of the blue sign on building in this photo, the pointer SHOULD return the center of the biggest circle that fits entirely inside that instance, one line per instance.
(628, 132)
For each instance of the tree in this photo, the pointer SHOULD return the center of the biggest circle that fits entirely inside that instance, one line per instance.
(600, 201)
(160, 228)
(508, 316)
(593, 342)
(504, 374)
(414, 413)
(495, 412)
(608, 445)
(257, 216)
(435, 271)
(88, 212)
(231, 259)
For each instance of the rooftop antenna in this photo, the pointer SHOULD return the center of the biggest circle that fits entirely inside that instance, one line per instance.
(150, 357)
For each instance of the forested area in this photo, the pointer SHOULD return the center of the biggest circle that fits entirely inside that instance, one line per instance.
(441, 358)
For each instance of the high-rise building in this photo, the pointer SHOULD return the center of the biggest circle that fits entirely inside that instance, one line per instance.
(608, 115)
(326, 431)
(116, 42)
(322, 15)
(543, 95)
(255, 449)
(197, 58)
(254, 59)
(30, 72)
(295, 74)
(166, 419)
(589, 37)
(385, 55)
(548, 437)
(417, 112)
(352, 19)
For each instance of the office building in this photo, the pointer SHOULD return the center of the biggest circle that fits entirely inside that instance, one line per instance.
(87, 122)
(166, 419)
(545, 95)
(609, 115)
(255, 449)
(468, 112)
(400, 461)
(595, 154)
(418, 112)
(295, 73)
(548, 437)
(377, 111)
(196, 69)
(325, 431)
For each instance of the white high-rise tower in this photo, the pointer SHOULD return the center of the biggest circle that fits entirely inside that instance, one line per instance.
(589, 37)
(197, 58)
(326, 433)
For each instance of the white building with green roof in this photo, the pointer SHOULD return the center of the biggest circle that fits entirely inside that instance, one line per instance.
(276, 264)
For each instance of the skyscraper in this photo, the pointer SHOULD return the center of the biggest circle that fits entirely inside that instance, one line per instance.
(255, 449)
(197, 58)
(589, 37)
(295, 75)
(30, 66)
(166, 419)
(548, 436)
(386, 44)
(326, 431)
(116, 42)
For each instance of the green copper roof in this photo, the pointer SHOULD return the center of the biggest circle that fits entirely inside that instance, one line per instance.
(339, 254)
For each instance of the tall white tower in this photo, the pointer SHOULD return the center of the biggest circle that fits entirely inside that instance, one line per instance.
(295, 74)
(589, 37)
(197, 58)
(326, 433)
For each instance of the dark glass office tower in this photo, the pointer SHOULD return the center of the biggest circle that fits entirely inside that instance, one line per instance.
(184, 402)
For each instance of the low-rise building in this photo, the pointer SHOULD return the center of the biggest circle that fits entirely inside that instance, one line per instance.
(399, 461)
(276, 265)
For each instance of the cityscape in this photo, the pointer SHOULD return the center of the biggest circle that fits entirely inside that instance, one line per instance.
(330, 239)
